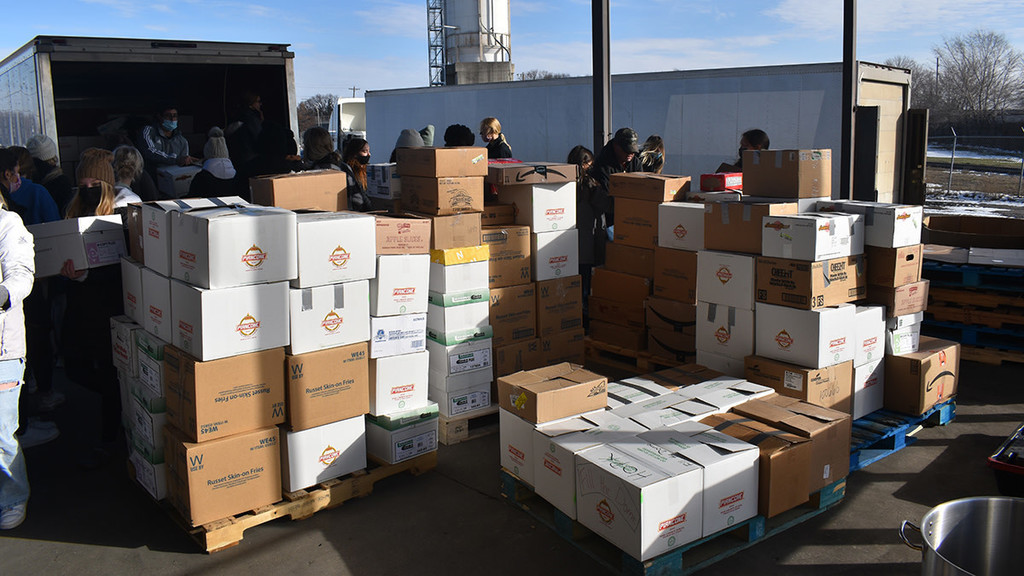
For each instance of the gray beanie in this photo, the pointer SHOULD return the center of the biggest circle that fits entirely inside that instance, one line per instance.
(42, 147)
(216, 146)
(409, 139)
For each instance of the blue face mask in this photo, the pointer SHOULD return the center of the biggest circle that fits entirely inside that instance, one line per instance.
(169, 125)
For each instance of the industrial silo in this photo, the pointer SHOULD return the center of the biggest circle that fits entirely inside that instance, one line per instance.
(477, 41)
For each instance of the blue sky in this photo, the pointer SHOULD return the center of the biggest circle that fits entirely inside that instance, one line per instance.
(379, 44)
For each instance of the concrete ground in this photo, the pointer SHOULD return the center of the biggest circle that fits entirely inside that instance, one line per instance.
(453, 520)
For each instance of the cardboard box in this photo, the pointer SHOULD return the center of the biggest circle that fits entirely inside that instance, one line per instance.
(783, 477)
(629, 260)
(211, 324)
(787, 173)
(209, 400)
(916, 381)
(974, 231)
(442, 196)
(327, 386)
(870, 334)
(885, 225)
(632, 390)
(720, 181)
(516, 357)
(398, 383)
(402, 235)
(868, 388)
(678, 347)
(513, 314)
(455, 231)
(901, 300)
(316, 190)
(157, 221)
(146, 430)
(676, 275)
(498, 215)
(401, 285)
(510, 250)
(619, 287)
(88, 242)
(473, 357)
(152, 477)
(561, 347)
(383, 181)
(156, 304)
(828, 431)
(122, 341)
(214, 480)
(709, 197)
(680, 376)
(634, 339)
(636, 222)
(555, 254)
(670, 315)
(399, 436)
(894, 266)
(542, 207)
(328, 316)
(459, 269)
(131, 290)
(736, 226)
(559, 305)
(803, 205)
(394, 335)
(530, 173)
(552, 392)
(898, 322)
(455, 324)
(725, 330)
(812, 236)
(903, 340)
(807, 285)
(316, 455)
(332, 248)
(726, 279)
(225, 247)
(455, 162)
(136, 232)
(681, 226)
(630, 315)
(812, 338)
(458, 402)
(515, 436)
(830, 387)
(721, 363)
(648, 186)
(174, 181)
(151, 374)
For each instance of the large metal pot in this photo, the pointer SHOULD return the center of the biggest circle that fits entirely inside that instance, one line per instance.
(972, 536)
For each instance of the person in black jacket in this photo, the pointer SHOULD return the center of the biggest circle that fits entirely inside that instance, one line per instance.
(621, 154)
(217, 178)
(497, 146)
(48, 171)
(354, 158)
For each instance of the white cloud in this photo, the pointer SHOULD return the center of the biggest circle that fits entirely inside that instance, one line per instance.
(124, 8)
(317, 73)
(391, 18)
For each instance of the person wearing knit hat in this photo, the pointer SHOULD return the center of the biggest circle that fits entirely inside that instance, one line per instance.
(48, 172)
(318, 150)
(42, 147)
(409, 138)
(218, 176)
(95, 175)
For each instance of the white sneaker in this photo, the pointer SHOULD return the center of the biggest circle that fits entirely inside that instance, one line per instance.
(51, 400)
(36, 435)
(13, 516)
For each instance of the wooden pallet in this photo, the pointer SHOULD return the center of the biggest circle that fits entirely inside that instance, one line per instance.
(991, 356)
(883, 433)
(221, 534)
(995, 318)
(983, 298)
(684, 560)
(468, 426)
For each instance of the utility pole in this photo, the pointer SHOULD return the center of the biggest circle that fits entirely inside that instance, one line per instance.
(353, 89)
(602, 80)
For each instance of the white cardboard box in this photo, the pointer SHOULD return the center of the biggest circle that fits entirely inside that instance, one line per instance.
(174, 181)
(542, 207)
(721, 196)
(131, 289)
(555, 254)
(240, 246)
(631, 390)
(723, 364)
(333, 248)
(122, 340)
(885, 225)
(725, 330)
(515, 436)
(152, 477)
(802, 204)
(400, 436)
(459, 382)
(328, 316)
(868, 388)
(681, 225)
(461, 358)
(458, 277)
(812, 338)
(212, 324)
(401, 285)
(157, 224)
(726, 278)
(903, 340)
(451, 403)
(398, 383)
(156, 304)
(394, 335)
(88, 242)
(319, 454)
(870, 334)
(904, 321)
(383, 181)
(150, 355)
(147, 430)
(443, 321)
(812, 236)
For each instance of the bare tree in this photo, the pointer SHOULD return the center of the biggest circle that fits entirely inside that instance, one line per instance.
(924, 87)
(539, 75)
(981, 74)
(316, 110)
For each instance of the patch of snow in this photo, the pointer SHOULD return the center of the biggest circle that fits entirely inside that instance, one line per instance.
(936, 152)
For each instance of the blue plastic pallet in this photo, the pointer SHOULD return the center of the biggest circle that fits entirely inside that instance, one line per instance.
(883, 433)
(974, 276)
(971, 335)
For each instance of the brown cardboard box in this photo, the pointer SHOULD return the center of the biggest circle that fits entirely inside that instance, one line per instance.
(736, 226)
(973, 231)
(208, 400)
(629, 260)
(457, 162)
(510, 262)
(676, 346)
(402, 235)
(516, 357)
(213, 480)
(133, 222)
(782, 468)
(900, 300)
(917, 381)
(453, 231)
(530, 173)
(618, 287)
(327, 386)
(552, 392)
(498, 215)
(317, 189)
(787, 173)
(670, 315)
(513, 314)
(808, 285)
(618, 335)
(565, 346)
(682, 376)
(675, 275)
(648, 186)
(636, 222)
(443, 196)
(559, 305)
(830, 387)
(828, 431)
(894, 266)
(614, 312)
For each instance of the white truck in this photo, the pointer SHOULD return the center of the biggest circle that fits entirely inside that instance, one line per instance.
(348, 120)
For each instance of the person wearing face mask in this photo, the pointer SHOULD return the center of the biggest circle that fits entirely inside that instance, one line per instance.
(162, 143)
(354, 159)
(497, 146)
(652, 155)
